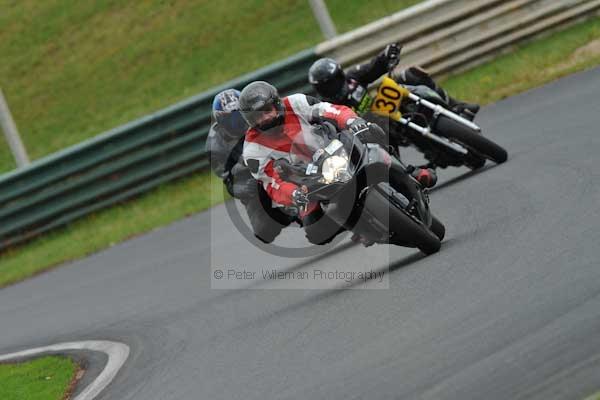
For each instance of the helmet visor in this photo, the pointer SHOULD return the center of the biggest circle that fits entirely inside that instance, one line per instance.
(332, 88)
(265, 119)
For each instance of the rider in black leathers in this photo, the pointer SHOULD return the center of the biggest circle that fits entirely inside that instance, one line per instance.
(224, 145)
(335, 86)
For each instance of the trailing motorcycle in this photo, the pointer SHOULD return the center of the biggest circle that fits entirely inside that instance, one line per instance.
(417, 115)
(362, 188)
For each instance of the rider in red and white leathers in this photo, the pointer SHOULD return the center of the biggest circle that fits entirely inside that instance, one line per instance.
(260, 150)
(275, 124)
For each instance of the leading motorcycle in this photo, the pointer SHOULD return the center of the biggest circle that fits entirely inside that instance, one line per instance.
(362, 188)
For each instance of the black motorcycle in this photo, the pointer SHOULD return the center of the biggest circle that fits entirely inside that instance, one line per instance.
(418, 116)
(362, 188)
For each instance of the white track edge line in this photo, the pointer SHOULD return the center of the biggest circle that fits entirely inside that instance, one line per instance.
(117, 355)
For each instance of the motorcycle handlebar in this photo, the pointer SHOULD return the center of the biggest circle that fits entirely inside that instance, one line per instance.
(393, 63)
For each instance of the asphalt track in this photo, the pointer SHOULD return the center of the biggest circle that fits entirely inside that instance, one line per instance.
(509, 309)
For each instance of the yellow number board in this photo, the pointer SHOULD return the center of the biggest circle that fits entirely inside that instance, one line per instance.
(388, 99)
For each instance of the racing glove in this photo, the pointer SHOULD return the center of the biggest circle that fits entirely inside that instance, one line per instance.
(299, 196)
(368, 132)
(240, 183)
(391, 51)
(357, 125)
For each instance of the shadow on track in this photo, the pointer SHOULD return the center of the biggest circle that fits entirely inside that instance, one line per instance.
(406, 261)
(462, 177)
(295, 267)
(326, 293)
(320, 296)
(323, 256)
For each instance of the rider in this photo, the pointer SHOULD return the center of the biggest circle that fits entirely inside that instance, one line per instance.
(224, 147)
(274, 124)
(334, 85)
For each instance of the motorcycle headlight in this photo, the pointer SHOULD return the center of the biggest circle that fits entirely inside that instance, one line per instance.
(335, 169)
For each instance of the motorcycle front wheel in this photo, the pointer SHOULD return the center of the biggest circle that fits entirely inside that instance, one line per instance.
(472, 139)
(405, 230)
(438, 228)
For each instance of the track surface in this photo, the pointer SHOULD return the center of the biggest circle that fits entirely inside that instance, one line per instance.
(509, 309)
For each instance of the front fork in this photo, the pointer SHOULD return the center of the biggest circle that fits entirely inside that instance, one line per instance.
(439, 110)
(426, 133)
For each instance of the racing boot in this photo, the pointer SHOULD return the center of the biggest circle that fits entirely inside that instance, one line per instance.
(425, 176)
(466, 110)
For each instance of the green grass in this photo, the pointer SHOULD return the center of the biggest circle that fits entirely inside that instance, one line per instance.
(72, 69)
(46, 378)
(97, 231)
(530, 65)
(350, 14)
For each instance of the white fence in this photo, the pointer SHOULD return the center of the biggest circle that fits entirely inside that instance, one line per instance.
(449, 35)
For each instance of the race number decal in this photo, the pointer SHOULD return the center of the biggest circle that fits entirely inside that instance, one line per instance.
(388, 99)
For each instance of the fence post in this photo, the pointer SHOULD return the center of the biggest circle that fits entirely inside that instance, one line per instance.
(323, 18)
(11, 134)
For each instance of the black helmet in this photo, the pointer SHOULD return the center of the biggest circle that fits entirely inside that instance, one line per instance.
(256, 100)
(328, 78)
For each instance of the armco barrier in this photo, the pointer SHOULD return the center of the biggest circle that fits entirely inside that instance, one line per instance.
(123, 162)
(449, 35)
(441, 35)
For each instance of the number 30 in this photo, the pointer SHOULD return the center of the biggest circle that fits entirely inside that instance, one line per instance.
(382, 104)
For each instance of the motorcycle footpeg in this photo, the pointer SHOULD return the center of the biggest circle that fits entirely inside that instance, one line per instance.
(467, 114)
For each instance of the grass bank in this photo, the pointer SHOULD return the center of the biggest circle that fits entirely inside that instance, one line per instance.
(594, 397)
(531, 65)
(72, 69)
(528, 66)
(47, 378)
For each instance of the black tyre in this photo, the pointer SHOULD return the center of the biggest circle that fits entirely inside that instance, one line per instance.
(408, 232)
(472, 139)
(429, 244)
(438, 228)
(475, 161)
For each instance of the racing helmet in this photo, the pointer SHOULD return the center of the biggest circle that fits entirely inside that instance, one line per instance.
(328, 79)
(261, 106)
(226, 113)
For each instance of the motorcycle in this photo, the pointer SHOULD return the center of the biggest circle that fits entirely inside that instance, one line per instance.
(362, 188)
(418, 116)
